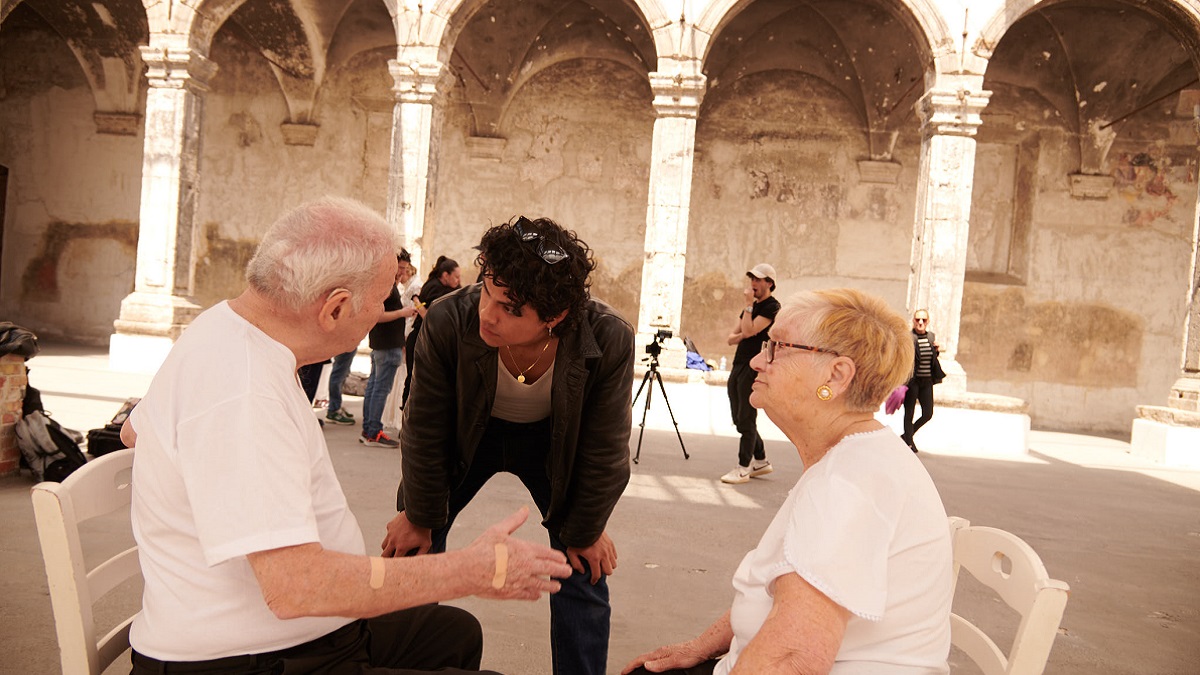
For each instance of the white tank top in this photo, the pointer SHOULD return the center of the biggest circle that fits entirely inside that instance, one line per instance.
(519, 402)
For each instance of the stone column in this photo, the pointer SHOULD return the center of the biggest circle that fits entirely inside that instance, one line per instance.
(159, 308)
(414, 117)
(677, 98)
(949, 119)
(1171, 434)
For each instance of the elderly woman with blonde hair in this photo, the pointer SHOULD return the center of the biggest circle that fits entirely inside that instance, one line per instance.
(853, 575)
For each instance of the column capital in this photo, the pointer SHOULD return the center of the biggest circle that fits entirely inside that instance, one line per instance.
(177, 68)
(952, 112)
(416, 81)
(678, 94)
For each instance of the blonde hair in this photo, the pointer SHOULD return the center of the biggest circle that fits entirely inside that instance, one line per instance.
(859, 326)
(322, 245)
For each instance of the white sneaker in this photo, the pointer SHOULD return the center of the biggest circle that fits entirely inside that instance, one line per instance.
(760, 468)
(737, 476)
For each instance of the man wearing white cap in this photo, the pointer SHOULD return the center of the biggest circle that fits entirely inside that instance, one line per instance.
(749, 334)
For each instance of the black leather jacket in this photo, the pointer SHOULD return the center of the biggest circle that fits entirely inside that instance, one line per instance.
(450, 402)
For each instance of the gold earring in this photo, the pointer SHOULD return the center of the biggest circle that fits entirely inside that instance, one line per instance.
(824, 392)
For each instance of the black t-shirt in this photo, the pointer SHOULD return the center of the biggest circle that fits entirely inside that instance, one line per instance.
(389, 334)
(749, 347)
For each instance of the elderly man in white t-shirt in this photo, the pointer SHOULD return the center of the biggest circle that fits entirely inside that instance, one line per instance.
(252, 560)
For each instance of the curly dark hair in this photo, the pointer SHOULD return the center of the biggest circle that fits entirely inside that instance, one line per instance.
(518, 257)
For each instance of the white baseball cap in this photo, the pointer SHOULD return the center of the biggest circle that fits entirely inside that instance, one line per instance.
(762, 271)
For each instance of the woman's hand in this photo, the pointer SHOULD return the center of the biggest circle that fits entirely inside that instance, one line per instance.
(671, 657)
(601, 557)
(402, 536)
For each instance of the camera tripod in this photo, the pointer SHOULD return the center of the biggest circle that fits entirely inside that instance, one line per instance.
(653, 374)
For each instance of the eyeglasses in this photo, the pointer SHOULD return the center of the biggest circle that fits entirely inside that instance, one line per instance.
(770, 346)
(551, 253)
(920, 320)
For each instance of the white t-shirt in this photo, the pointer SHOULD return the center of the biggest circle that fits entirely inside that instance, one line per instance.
(229, 461)
(406, 301)
(866, 527)
(520, 402)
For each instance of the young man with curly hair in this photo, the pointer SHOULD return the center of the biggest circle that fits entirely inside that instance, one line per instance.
(523, 372)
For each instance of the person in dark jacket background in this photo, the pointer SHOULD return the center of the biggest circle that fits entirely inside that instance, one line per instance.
(524, 373)
(443, 278)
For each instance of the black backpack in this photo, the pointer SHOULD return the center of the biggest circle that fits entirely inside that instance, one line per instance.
(48, 450)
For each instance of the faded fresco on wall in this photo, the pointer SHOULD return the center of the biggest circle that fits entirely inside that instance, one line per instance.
(575, 147)
(245, 153)
(776, 180)
(71, 210)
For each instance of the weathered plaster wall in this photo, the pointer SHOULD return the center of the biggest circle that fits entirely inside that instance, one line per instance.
(776, 180)
(575, 148)
(70, 230)
(249, 175)
(1092, 329)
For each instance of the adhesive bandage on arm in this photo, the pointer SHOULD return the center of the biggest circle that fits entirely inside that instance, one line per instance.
(377, 572)
(501, 566)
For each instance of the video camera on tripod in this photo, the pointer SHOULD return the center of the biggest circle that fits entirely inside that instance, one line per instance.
(660, 338)
(654, 349)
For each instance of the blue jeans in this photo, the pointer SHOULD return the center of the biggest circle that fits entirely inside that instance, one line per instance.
(337, 378)
(579, 613)
(384, 364)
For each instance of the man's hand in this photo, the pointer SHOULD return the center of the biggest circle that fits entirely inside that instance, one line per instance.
(749, 295)
(672, 657)
(527, 567)
(601, 557)
(402, 537)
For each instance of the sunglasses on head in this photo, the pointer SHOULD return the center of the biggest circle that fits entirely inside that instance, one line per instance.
(551, 253)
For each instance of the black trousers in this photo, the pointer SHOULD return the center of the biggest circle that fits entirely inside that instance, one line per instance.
(430, 638)
(920, 389)
(745, 416)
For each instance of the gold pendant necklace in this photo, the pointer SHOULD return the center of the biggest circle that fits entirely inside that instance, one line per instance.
(521, 375)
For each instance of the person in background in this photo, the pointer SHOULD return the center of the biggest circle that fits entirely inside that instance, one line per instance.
(252, 560)
(748, 334)
(855, 572)
(334, 413)
(927, 371)
(443, 278)
(387, 354)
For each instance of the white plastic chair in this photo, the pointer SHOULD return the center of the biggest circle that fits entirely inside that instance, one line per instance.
(100, 487)
(1004, 563)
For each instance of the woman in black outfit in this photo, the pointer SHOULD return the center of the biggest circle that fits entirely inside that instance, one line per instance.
(443, 278)
(926, 373)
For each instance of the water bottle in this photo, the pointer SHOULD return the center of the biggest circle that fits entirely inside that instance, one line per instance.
(722, 363)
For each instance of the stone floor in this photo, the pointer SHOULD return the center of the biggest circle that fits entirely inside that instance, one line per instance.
(1123, 533)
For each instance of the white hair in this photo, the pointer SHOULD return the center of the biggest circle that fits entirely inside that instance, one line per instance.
(330, 243)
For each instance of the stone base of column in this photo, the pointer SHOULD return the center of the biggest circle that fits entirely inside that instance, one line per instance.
(1185, 394)
(1168, 436)
(970, 424)
(148, 327)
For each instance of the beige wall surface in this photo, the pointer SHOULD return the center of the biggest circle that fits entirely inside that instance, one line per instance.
(71, 212)
(776, 180)
(576, 149)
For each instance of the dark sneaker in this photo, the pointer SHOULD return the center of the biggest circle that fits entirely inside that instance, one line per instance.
(339, 417)
(379, 440)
